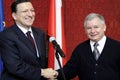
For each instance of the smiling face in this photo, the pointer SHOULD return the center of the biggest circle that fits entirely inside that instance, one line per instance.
(25, 14)
(95, 29)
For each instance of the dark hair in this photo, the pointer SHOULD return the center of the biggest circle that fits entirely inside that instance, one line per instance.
(15, 3)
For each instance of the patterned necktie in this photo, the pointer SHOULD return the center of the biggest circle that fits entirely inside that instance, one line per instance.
(95, 51)
(31, 39)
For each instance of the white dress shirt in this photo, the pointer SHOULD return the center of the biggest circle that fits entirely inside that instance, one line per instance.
(100, 46)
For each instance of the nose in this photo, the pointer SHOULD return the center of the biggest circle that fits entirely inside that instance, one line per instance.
(92, 30)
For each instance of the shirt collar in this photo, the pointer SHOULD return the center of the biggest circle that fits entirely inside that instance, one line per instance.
(100, 42)
(23, 29)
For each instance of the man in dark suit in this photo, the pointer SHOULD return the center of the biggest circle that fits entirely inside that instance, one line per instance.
(83, 61)
(23, 59)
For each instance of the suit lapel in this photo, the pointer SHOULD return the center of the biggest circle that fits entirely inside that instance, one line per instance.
(88, 51)
(37, 40)
(106, 49)
(22, 37)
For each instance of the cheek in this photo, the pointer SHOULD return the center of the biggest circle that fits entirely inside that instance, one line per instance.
(88, 32)
(34, 14)
(102, 31)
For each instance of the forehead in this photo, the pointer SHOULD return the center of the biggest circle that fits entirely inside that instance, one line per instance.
(24, 5)
(93, 21)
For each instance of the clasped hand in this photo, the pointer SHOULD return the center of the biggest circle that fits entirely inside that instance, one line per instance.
(49, 73)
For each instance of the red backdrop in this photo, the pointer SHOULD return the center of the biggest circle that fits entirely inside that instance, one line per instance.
(75, 12)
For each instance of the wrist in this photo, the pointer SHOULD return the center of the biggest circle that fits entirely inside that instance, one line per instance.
(42, 72)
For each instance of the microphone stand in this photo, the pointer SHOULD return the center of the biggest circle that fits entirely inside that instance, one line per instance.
(61, 69)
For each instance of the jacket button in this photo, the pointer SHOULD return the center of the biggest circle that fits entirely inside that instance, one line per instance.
(96, 64)
(94, 72)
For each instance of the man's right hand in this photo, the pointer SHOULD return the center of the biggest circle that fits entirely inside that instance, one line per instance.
(49, 73)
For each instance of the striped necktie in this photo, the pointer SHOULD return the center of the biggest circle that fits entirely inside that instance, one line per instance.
(95, 51)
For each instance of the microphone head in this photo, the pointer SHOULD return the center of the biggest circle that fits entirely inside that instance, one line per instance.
(51, 39)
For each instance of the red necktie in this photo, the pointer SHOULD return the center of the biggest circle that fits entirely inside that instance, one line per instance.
(31, 39)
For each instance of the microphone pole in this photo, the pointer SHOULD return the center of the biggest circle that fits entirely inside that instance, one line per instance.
(61, 69)
(51, 39)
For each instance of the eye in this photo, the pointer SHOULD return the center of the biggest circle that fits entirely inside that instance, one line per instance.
(32, 10)
(96, 27)
(88, 28)
(24, 11)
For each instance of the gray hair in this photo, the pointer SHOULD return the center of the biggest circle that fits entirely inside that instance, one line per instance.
(92, 16)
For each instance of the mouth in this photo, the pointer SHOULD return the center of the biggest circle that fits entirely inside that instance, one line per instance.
(93, 35)
(30, 19)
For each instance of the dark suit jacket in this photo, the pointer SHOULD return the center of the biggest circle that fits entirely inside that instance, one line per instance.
(19, 58)
(83, 64)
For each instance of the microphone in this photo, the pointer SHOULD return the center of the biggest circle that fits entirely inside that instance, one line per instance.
(56, 46)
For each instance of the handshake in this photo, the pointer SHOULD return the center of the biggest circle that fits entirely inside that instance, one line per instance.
(49, 73)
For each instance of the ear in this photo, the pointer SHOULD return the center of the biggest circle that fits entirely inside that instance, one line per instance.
(104, 27)
(14, 16)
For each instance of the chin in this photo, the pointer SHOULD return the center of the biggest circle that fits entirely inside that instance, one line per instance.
(29, 24)
(95, 40)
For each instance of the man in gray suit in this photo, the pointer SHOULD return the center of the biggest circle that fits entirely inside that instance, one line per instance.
(83, 61)
(23, 59)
